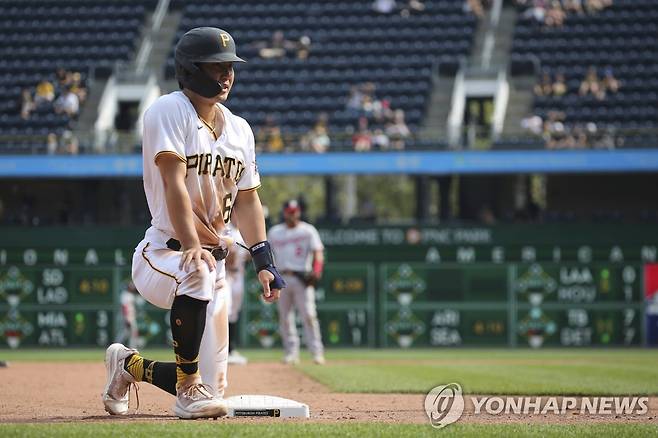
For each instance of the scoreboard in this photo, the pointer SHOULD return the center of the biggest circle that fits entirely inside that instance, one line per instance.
(513, 304)
(57, 306)
(383, 287)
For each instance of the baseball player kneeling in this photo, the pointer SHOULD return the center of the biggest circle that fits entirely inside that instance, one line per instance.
(199, 171)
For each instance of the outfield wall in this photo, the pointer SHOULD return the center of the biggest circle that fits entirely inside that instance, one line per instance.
(548, 285)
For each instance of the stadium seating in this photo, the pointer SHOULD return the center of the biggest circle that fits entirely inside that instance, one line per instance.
(351, 44)
(622, 38)
(40, 36)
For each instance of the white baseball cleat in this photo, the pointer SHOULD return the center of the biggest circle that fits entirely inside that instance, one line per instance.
(235, 358)
(196, 401)
(318, 359)
(291, 359)
(115, 396)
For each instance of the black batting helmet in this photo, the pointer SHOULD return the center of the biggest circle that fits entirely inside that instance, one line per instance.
(199, 45)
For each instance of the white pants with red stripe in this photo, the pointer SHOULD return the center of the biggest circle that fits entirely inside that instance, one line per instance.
(298, 295)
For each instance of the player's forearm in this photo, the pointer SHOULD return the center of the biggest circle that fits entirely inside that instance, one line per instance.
(251, 220)
(180, 214)
(318, 263)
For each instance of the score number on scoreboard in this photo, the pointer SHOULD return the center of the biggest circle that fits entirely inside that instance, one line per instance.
(578, 305)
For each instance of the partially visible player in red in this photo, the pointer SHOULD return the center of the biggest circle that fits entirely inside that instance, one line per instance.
(300, 255)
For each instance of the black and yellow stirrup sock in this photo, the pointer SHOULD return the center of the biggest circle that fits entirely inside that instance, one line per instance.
(188, 320)
(160, 374)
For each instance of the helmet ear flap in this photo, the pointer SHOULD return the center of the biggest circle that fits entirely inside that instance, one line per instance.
(189, 75)
(185, 70)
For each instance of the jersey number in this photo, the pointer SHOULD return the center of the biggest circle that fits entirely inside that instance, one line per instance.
(227, 207)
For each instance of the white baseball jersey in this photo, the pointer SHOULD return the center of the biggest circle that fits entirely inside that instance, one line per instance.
(293, 247)
(216, 169)
(128, 306)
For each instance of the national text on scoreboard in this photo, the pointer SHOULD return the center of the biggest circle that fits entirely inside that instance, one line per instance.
(383, 287)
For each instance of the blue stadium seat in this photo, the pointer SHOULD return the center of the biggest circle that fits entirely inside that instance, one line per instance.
(351, 44)
(623, 37)
(40, 36)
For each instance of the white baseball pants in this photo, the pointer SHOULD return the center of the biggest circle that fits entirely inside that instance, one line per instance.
(158, 279)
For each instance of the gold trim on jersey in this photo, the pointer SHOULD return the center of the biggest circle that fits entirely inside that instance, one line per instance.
(250, 190)
(158, 270)
(155, 159)
(209, 127)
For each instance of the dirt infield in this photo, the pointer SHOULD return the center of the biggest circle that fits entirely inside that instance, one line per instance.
(65, 392)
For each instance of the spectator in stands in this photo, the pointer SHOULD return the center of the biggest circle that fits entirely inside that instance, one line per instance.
(304, 47)
(554, 129)
(533, 123)
(606, 141)
(78, 87)
(369, 89)
(573, 6)
(317, 139)
(382, 111)
(362, 138)
(398, 131)
(52, 144)
(383, 6)
(373, 107)
(269, 137)
(45, 93)
(594, 6)
(537, 11)
(577, 137)
(277, 47)
(67, 143)
(370, 106)
(354, 101)
(380, 140)
(62, 78)
(591, 85)
(545, 86)
(412, 7)
(67, 103)
(27, 104)
(70, 143)
(555, 15)
(559, 87)
(362, 101)
(609, 82)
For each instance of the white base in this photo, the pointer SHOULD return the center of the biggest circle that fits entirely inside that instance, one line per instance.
(265, 406)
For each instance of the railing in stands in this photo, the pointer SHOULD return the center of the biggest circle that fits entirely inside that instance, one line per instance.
(121, 142)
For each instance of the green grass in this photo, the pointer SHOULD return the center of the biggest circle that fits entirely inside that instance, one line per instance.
(297, 429)
(479, 371)
(95, 355)
(559, 372)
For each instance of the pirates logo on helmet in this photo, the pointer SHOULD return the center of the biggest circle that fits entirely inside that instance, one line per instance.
(200, 45)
